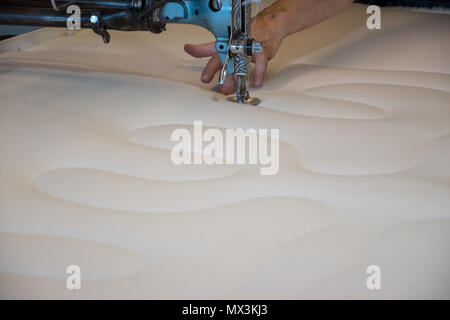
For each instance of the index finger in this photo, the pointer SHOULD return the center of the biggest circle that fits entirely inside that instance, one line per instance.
(201, 50)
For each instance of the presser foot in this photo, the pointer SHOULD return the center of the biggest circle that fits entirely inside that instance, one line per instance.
(242, 96)
(249, 100)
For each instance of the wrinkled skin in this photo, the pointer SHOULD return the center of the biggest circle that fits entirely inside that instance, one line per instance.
(270, 26)
(262, 31)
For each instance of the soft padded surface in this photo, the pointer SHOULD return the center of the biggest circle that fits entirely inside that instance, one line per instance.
(86, 176)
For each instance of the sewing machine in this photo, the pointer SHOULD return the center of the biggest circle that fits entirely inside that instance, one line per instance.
(228, 20)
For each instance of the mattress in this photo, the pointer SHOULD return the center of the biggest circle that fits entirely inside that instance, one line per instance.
(364, 179)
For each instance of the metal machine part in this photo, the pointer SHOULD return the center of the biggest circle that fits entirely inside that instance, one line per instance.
(241, 47)
(228, 20)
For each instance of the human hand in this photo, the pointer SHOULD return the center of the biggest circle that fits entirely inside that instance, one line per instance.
(265, 30)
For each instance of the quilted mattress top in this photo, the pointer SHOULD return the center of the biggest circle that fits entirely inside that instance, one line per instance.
(364, 178)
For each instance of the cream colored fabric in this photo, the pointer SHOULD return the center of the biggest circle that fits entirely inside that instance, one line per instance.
(86, 176)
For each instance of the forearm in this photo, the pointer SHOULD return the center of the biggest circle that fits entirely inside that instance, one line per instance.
(292, 16)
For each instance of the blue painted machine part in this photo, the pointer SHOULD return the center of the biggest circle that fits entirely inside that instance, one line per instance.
(200, 13)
